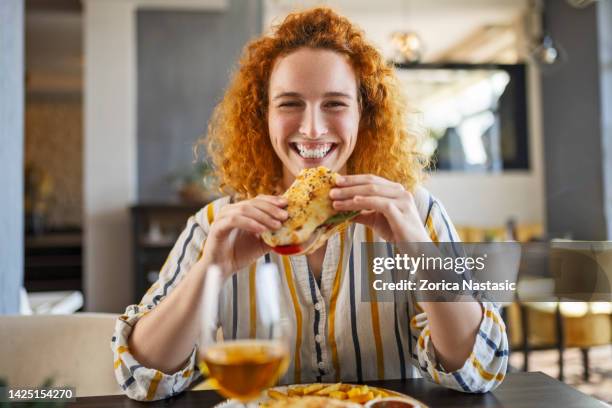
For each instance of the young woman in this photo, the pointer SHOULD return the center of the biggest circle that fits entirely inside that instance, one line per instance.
(314, 92)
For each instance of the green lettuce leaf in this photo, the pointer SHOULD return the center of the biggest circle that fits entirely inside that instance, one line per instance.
(341, 217)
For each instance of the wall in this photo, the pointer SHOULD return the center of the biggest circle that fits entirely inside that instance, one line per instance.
(604, 24)
(109, 158)
(572, 115)
(11, 154)
(54, 143)
(182, 73)
(471, 199)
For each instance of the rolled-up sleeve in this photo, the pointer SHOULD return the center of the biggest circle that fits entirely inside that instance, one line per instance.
(140, 382)
(486, 365)
(483, 370)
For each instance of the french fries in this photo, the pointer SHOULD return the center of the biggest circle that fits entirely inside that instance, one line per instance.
(328, 390)
(339, 391)
(276, 395)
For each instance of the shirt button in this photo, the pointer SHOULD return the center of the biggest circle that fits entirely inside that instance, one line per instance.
(321, 365)
(318, 305)
(318, 338)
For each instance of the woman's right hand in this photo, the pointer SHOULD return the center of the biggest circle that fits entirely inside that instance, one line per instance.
(234, 241)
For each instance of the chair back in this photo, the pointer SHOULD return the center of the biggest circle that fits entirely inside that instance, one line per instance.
(582, 270)
(72, 350)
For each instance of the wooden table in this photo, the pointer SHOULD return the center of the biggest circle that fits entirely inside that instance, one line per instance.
(519, 390)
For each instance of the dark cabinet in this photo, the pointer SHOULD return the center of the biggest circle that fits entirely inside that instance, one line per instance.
(53, 262)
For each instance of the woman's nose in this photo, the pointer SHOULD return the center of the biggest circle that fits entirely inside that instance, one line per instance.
(313, 124)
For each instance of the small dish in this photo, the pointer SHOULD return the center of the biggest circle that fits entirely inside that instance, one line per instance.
(393, 402)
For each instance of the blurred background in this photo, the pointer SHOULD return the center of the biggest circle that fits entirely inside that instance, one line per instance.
(102, 101)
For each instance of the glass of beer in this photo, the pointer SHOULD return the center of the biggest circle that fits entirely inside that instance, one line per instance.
(241, 369)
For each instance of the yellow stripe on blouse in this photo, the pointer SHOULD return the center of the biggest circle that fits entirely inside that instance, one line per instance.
(380, 359)
(483, 373)
(210, 213)
(436, 376)
(298, 319)
(210, 217)
(153, 386)
(431, 230)
(252, 301)
(332, 308)
(201, 252)
(489, 314)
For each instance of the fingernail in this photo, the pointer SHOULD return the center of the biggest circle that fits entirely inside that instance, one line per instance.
(340, 179)
(333, 192)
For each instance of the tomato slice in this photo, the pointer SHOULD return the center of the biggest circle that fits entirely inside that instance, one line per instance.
(287, 249)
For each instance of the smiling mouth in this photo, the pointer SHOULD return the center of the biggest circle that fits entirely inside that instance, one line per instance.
(315, 151)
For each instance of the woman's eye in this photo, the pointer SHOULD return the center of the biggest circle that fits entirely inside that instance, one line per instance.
(289, 104)
(335, 104)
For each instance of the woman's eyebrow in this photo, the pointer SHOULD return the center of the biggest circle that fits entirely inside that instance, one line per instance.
(287, 95)
(298, 95)
(338, 94)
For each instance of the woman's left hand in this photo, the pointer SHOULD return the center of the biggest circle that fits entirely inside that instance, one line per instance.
(386, 207)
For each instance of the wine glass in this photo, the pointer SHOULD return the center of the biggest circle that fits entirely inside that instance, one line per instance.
(243, 368)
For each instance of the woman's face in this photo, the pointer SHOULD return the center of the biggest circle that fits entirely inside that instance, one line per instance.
(313, 111)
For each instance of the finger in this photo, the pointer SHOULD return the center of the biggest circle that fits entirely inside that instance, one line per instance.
(386, 207)
(380, 204)
(378, 190)
(347, 205)
(360, 203)
(270, 208)
(355, 179)
(276, 200)
(251, 210)
(232, 221)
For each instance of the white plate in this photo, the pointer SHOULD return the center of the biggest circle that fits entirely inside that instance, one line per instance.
(284, 388)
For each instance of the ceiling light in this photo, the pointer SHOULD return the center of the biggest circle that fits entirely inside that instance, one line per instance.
(408, 47)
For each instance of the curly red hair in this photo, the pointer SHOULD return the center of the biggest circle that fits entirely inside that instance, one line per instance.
(238, 139)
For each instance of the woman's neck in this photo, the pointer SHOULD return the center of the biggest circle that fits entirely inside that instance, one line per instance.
(315, 261)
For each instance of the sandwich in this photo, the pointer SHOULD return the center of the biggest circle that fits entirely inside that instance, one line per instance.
(312, 220)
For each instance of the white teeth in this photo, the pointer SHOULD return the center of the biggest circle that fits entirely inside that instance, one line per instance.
(314, 153)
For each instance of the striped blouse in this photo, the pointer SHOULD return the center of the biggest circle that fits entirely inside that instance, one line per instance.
(335, 336)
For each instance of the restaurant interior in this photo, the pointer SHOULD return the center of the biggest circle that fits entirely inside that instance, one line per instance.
(102, 102)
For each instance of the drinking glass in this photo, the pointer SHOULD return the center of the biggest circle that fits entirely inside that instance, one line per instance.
(241, 369)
